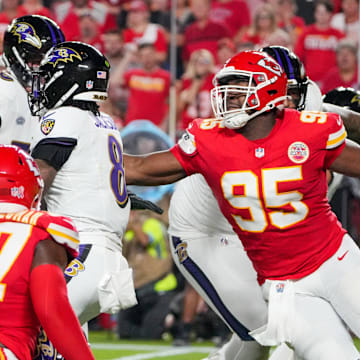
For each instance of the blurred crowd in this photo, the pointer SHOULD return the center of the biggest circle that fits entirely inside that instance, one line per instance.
(141, 42)
(136, 36)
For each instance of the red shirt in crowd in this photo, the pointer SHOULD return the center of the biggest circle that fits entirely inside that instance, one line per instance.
(234, 14)
(70, 22)
(332, 80)
(316, 49)
(148, 94)
(196, 38)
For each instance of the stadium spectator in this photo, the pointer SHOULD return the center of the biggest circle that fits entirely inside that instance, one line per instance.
(345, 72)
(140, 30)
(203, 33)
(160, 14)
(9, 11)
(280, 38)
(184, 17)
(183, 14)
(90, 32)
(35, 249)
(122, 58)
(68, 14)
(225, 50)
(347, 20)
(316, 46)
(113, 47)
(234, 14)
(148, 86)
(288, 20)
(195, 86)
(305, 9)
(33, 7)
(263, 26)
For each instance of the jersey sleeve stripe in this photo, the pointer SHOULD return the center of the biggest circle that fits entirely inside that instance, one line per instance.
(64, 235)
(2, 354)
(336, 139)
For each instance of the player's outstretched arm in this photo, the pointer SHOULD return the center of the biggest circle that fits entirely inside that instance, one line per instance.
(50, 301)
(348, 162)
(153, 169)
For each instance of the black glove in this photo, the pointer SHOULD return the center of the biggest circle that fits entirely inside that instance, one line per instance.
(137, 203)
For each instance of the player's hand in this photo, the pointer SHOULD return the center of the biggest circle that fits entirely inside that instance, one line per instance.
(138, 203)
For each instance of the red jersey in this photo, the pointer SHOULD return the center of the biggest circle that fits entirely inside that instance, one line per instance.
(272, 190)
(19, 234)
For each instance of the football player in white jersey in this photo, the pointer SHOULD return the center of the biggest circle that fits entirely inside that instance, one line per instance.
(26, 40)
(202, 241)
(79, 153)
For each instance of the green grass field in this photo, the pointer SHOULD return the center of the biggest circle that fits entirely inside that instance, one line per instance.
(106, 346)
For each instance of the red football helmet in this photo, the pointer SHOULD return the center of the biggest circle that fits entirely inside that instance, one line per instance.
(262, 84)
(20, 180)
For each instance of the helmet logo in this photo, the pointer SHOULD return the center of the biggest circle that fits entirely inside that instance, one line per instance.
(26, 33)
(89, 84)
(270, 65)
(63, 54)
(355, 99)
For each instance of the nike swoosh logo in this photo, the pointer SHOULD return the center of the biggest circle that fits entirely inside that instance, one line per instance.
(342, 256)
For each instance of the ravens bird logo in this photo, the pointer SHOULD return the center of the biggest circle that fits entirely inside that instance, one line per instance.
(64, 54)
(26, 33)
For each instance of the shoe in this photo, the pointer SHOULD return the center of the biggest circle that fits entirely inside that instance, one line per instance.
(182, 336)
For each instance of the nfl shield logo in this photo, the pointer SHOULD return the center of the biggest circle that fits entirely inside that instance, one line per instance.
(89, 84)
(259, 152)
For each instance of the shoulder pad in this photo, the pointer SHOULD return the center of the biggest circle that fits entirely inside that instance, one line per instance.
(61, 228)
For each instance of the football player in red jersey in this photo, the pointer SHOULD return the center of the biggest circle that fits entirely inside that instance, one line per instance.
(35, 248)
(267, 169)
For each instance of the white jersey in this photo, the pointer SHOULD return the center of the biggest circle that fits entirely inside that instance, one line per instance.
(90, 186)
(15, 116)
(193, 208)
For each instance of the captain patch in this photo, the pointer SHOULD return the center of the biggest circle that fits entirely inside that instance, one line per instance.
(298, 152)
(46, 126)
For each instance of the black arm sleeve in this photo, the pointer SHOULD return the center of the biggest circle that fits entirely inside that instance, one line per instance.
(55, 151)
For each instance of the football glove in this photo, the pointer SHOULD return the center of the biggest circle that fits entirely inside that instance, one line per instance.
(138, 203)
